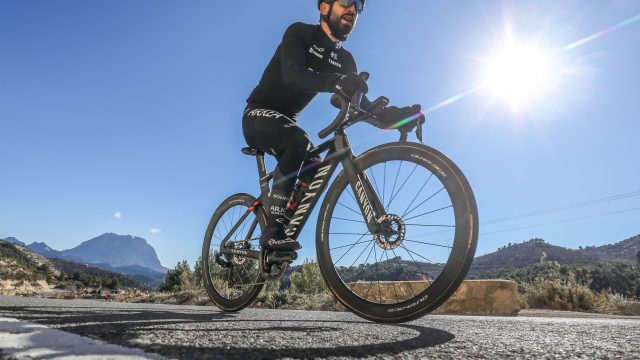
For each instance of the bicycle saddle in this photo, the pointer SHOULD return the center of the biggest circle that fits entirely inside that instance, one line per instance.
(251, 151)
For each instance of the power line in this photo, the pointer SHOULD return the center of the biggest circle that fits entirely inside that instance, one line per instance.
(565, 207)
(564, 221)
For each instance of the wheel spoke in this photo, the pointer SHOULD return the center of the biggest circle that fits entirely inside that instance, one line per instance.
(429, 212)
(402, 272)
(356, 243)
(375, 183)
(415, 253)
(393, 283)
(364, 265)
(384, 181)
(375, 256)
(345, 253)
(339, 218)
(403, 184)
(345, 233)
(416, 263)
(417, 206)
(386, 208)
(431, 225)
(413, 199)
(356, 212)
(426, 243)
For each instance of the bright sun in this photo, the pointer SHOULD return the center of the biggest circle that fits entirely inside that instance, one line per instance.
(519, 73)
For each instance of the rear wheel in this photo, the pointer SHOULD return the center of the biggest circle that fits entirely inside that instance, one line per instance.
(425, 244)
(233, 282)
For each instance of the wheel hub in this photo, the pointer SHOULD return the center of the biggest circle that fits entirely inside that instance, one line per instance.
(392, 232)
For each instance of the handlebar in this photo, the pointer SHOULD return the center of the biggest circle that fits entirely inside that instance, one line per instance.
(344, 109)
(343, 104)
(360, 114)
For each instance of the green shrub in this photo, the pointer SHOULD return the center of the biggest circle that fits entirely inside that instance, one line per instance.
(178, 279)
(310, 280)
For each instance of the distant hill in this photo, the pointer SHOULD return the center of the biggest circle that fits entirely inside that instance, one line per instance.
(23, 270)
(14, 241)
(44, 250)
(140, 273)
(530, 252)
(121, 253)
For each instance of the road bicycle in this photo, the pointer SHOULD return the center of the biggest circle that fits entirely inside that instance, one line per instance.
(395, 236)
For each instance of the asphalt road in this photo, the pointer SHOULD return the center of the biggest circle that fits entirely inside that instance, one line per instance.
(192, 332)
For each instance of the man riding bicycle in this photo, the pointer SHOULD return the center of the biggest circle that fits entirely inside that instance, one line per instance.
(310, 59)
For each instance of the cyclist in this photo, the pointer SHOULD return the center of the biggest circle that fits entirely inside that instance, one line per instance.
(310, 59)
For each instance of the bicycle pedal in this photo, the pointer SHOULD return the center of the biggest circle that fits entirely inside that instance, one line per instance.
(274, 269)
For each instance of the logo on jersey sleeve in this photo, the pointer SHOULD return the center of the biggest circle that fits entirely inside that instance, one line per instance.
(317, 51)
(333, 60)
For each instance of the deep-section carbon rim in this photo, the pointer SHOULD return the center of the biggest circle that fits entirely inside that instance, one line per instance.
(235, 286)
(426, 248)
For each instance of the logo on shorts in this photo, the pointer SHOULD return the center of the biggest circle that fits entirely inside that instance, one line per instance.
(265, 113)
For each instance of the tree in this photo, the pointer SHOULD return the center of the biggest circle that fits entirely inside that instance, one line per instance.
(112, 284)
(638, 256)
(198, 273)
(179, 278)
(310, 280)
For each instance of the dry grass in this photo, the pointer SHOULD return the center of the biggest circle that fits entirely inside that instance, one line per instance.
(191, 297)
(556, 295)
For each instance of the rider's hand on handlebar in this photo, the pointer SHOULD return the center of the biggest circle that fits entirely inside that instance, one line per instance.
(405, 118)
(348, 84)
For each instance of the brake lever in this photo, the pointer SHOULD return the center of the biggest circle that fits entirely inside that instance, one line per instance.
(419, 131)
(357, 97)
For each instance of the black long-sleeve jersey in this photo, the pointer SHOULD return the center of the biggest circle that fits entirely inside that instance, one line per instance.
(305, 63)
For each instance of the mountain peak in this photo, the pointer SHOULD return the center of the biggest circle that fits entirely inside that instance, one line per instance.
(13, 240)
(117, 250)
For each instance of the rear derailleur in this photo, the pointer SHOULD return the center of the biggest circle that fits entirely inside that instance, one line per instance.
(228, 260)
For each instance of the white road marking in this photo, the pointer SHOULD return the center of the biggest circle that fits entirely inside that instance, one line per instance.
(22, 340)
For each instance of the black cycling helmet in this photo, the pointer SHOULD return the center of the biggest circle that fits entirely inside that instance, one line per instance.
(346, 3)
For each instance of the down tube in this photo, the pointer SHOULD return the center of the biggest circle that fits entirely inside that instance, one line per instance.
(312, 195)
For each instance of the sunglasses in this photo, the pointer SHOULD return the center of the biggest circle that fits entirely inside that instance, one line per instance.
(348, 3)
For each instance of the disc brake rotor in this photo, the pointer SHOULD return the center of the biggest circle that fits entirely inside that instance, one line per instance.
(392, 232)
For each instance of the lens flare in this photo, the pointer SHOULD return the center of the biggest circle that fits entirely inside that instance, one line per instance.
(520, 72)
(510, 67)
(601, 33)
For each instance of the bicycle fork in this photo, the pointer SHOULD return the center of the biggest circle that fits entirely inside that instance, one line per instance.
(370, 205)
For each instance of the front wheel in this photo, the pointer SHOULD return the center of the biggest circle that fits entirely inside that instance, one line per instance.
(425, 244)
(233, 282)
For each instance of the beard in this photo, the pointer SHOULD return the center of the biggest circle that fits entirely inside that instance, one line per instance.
(339, 30)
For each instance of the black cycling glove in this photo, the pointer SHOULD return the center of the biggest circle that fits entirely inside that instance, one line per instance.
(405, 118)
(348, 84)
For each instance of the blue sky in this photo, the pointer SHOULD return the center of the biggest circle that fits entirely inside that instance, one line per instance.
(135, 108)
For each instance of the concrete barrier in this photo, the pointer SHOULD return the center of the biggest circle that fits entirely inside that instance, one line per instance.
(473, 297)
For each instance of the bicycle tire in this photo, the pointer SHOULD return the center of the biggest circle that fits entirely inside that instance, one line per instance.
(236, 204)
(461, 252)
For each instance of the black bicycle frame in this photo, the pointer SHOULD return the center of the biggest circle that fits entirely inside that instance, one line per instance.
(339, 152)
